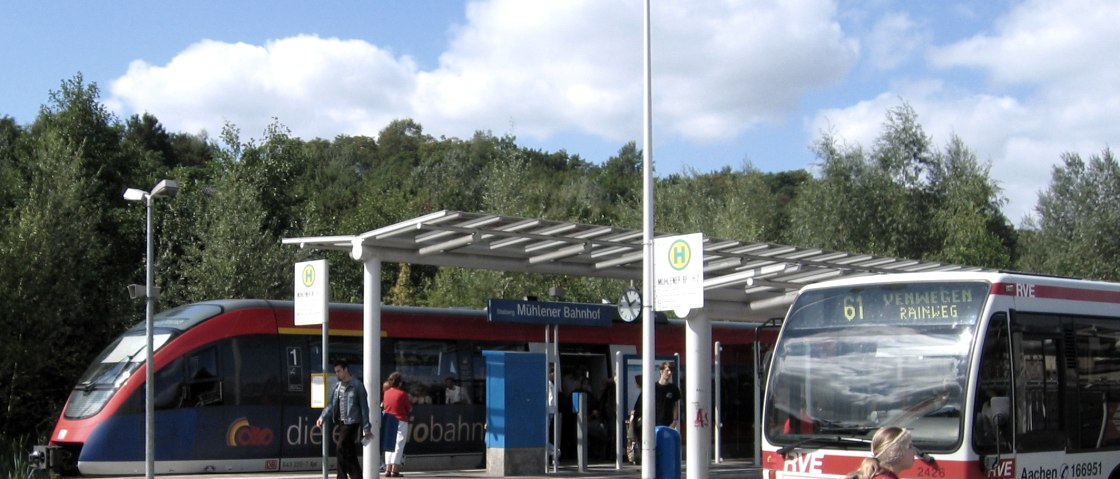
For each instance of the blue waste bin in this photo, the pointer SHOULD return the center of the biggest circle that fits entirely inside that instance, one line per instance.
(668, 461)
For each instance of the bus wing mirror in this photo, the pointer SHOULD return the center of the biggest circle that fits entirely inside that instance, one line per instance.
(1000, 410)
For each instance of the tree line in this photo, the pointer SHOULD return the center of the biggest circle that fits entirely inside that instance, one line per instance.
(70, 243)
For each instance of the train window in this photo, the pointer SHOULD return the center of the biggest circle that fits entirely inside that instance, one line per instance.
(424, 365)
(350, 351)
(251, 373)
(204, 384)
(169, 386)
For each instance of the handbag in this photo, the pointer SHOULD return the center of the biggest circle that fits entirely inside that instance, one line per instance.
(389, 424)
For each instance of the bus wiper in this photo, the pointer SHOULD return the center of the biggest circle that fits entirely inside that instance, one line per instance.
(825, 441)
(847, 429)
(926, 458)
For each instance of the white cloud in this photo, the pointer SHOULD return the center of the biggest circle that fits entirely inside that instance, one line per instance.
(1042, 42)
(1053, 90)
(318, 87)
(894, 39)
(546, 68)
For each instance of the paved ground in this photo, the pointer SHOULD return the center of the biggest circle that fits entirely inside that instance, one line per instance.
(728, 469)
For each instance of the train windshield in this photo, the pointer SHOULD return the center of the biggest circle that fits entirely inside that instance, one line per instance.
(853, 359)
(122, 357)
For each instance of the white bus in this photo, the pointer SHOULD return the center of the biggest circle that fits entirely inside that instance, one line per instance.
(996, 375)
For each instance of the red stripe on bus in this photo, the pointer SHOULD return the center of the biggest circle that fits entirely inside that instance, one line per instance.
(1055, 292)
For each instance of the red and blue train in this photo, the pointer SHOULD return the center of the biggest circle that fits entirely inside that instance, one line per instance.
(232, 385)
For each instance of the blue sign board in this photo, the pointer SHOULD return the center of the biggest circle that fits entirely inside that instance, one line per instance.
(548, 312)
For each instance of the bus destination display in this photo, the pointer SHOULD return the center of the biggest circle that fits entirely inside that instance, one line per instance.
(916, 303)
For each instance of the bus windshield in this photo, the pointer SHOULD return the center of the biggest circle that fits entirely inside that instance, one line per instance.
(853, 359)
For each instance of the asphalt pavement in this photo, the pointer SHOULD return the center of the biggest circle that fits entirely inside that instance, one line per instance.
(726, 469)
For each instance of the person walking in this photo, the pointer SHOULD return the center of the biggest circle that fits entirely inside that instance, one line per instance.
(348, 409)
(396, 404)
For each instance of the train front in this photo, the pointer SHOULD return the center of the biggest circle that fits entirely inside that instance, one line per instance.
(101, 429)
(95, 403)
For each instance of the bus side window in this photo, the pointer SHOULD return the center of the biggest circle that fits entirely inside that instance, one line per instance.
(1039, 414)
(1097, 344)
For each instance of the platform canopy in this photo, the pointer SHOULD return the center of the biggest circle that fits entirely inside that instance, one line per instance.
(743, 281)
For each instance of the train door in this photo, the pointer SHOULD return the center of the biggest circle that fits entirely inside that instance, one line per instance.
(301, 442)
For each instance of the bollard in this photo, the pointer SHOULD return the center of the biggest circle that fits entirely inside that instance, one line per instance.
(668, 453)
(579, 404)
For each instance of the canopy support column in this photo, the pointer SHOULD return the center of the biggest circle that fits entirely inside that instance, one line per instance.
(698, 396)
(371, 349)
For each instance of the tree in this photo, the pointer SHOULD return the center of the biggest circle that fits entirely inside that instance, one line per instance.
(56, 298)
(1077, 230)
(231, 224)
(903, 199)
(725, 204)
(621, 176)
(973, 229)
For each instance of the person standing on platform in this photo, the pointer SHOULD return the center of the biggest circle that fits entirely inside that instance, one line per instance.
(348, 408)
(668, 397)
(396, 404)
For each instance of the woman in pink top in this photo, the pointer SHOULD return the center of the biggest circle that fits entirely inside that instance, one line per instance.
(396, 403)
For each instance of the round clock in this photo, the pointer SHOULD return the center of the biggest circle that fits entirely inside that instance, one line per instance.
(630, 305)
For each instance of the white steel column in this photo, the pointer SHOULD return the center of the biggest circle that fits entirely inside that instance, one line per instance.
(698, 397)
(371, 350)
(648, 340)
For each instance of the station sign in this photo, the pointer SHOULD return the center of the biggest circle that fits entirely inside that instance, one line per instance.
(678, 271)
(311, 292)
(550, 312)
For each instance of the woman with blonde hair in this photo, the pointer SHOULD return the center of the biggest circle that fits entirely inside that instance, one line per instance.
(891, 453)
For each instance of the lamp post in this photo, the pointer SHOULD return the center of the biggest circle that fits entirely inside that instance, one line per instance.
(163, 189)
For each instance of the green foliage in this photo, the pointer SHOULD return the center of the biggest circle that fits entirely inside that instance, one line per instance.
(723, 204)
(13, 456)
(54, 257)
(1077, 231)
(903, 199)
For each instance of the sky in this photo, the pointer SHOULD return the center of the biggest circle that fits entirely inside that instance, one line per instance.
(734, 83)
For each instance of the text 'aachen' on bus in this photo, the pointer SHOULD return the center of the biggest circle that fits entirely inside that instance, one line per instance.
(233, 385)
(996, 375)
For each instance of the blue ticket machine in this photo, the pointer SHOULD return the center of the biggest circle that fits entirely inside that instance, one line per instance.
(516, 413)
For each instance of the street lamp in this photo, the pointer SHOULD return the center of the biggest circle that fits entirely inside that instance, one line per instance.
(163, 189)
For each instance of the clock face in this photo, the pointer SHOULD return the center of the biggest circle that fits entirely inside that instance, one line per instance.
(630, 305)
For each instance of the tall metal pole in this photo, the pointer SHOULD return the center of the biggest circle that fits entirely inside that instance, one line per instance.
(328, 424)
(648, 340)
(149, 366)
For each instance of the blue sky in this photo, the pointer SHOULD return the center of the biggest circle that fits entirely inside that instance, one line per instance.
(1021, 82)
